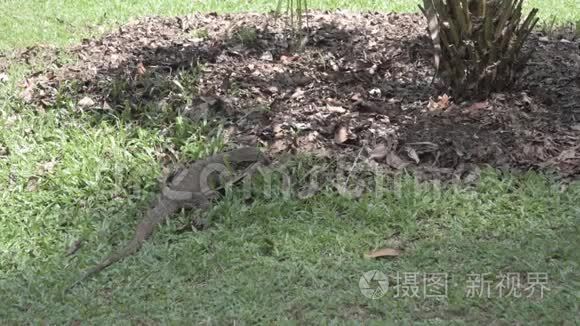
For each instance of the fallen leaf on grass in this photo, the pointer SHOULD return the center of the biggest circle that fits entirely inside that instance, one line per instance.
(46, 167)
(28, 92)
(384, 252)
(32, 184)
(4, 151)
(86, 102)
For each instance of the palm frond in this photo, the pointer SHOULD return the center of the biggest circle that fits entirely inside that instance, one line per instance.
(478, 43)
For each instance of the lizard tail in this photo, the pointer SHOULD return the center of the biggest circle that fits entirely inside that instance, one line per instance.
(144, 230)
(130, 249)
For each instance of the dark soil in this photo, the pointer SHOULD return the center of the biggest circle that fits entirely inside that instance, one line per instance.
(360, 87)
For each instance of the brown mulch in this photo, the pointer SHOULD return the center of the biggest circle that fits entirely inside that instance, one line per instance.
(360, 87)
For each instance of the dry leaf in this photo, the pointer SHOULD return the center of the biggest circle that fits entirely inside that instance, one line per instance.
(267, 56)
(32, 184)
(340, 135)
(412, 154)
(285, 59)
(442, 103)
(432, 105)
(28, 92)
(335, 109)
(141, 70)
(279, 145)
(356, 97)
(334, 66)
(299, 93)
(4, 150)
(46, 167)
(379, 152)
(86, 102)
(384, 252)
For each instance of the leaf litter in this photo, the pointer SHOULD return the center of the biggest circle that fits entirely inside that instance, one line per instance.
(362, 81)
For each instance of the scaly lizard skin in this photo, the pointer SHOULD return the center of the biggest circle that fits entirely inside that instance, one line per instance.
(191, 187)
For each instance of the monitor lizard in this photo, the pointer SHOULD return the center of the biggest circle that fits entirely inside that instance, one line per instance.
(189, 187)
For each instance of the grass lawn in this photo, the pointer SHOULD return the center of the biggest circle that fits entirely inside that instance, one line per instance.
(67, 174)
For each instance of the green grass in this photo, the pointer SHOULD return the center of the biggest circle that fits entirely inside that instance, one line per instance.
(67, 175)
(301, 257)
(62, 22)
